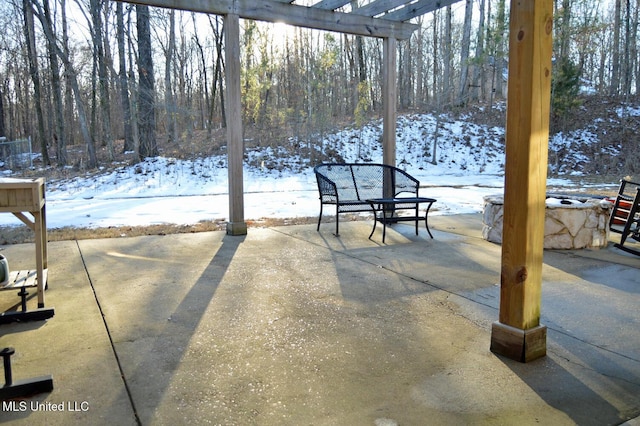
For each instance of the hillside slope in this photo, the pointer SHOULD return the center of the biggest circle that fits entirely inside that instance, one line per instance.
(599, 138)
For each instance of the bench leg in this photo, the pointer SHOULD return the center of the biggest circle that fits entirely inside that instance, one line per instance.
(319, 218)
(375, 221)
(382, 219)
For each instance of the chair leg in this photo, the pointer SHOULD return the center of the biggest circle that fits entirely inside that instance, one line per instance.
(319, 218)
(632, 221)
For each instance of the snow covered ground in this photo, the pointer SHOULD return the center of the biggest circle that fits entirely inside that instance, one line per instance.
(164, 190)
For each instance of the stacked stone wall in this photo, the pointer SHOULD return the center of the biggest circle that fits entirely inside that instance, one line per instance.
(578, 224)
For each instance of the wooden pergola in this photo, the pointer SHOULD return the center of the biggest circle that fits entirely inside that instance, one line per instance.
(518, 333)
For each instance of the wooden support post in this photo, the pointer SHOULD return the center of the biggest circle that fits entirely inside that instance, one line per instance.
(389, 101)
(518, 334)
(235, 145)
(40, 225)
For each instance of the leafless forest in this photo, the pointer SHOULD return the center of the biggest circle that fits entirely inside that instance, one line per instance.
(91, 80)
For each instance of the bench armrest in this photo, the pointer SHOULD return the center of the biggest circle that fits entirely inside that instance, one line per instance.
(327, 189)
(405, 183)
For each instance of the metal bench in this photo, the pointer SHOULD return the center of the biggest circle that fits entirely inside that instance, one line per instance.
(350, 187)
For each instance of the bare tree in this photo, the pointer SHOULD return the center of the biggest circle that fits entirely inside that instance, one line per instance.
(218, 70)
(203, 77)
(47, 26)
(68, 91)
(123, 79)
(172, 109)
(615, 59)
(146, 91)
(56, 91)
(500, 49)
(463, 88)
(628, 60)
(99, 63)
(2, 128)
(478, 79)
(447, 75)
(32, 57)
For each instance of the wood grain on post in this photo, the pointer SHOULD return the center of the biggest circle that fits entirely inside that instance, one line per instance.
(518, 334)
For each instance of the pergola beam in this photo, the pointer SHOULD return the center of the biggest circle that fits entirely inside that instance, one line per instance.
(292, 14)
(418, 8)
(377, 7)
(331, 4)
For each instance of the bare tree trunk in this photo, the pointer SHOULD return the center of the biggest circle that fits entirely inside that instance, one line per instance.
(47, 27)
(68, 91)
(2, 128)
(564, 33)
(133, 95)
(435, 55)
(626, 72)
(634, 47)
(615, 59)
(501, 40)
(448, 55)
(146, 91)
(170, 103)
(204, 113)
(362, 68)
(67, 112)
(463, 90)
(218, 76)
(420, 68)
(104, 130)
(124, 81)
(56, 89)
(478, 79)
(29, 30)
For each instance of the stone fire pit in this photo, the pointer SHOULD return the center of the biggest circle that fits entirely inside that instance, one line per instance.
(570, 223)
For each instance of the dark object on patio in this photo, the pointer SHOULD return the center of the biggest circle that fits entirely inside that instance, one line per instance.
(625, 217)
(21, 388)
(350, 187)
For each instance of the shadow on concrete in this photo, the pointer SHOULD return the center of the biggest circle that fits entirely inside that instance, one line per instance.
(155, 353)
(572, 392)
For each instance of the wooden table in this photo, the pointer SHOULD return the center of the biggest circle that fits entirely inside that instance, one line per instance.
(384, 211)
(20, 196)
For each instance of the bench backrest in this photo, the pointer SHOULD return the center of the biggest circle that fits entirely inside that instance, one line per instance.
(628, 194)
(355, 181)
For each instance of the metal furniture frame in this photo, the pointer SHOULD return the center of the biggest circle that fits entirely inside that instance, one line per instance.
(625, 216)
(385, 210)
(349, 186)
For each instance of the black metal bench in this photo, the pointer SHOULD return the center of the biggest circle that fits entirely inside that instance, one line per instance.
(625, 216)
(350, 187)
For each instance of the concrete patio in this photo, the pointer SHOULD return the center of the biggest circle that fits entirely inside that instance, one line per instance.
(288, 326)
